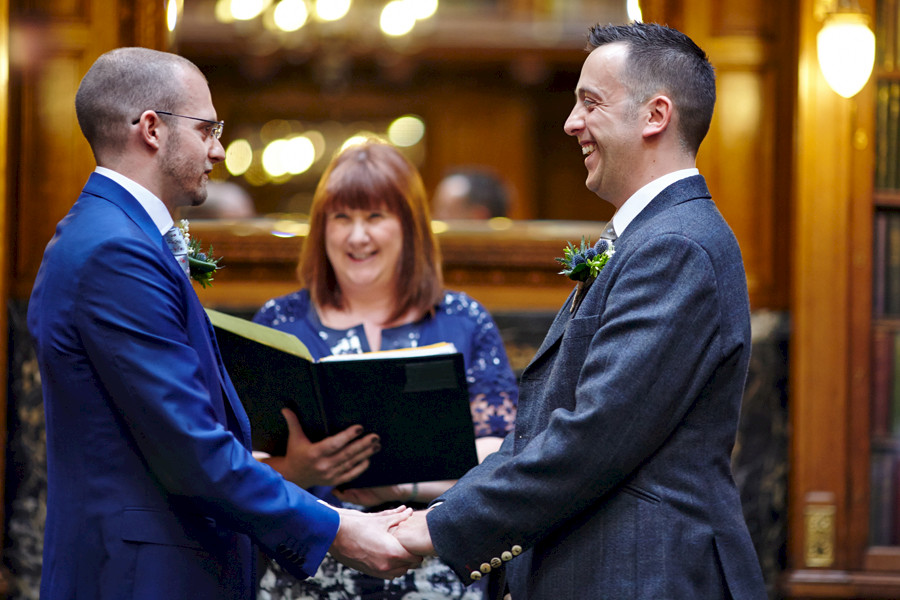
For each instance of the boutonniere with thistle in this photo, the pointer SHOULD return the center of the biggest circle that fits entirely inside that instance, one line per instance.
(583, 264)
(202, 264)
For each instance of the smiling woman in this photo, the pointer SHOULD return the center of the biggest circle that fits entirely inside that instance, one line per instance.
(373, 281)
(363, 246)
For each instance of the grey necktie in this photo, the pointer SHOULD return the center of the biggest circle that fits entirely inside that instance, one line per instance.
(175, 240)
(609, 233)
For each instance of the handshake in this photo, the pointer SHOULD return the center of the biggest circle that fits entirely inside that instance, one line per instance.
(385, 544)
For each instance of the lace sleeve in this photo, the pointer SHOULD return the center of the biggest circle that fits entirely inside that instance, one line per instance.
(266, 315)
(493, 392)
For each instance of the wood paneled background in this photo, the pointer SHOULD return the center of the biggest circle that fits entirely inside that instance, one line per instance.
(784, 160)
(52, 44)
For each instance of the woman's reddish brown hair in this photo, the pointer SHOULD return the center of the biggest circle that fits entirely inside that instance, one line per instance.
(374, 175)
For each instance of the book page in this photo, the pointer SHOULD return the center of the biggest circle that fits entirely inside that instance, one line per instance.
(430, 350)
(267, 336)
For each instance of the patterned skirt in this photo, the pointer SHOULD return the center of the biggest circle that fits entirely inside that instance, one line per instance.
(433, 580)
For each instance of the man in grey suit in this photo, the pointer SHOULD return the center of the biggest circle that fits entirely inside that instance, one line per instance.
(616, 482)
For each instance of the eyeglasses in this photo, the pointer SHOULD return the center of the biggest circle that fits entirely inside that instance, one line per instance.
(215, 127)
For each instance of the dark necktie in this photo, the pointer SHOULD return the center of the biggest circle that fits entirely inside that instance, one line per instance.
(175, 241)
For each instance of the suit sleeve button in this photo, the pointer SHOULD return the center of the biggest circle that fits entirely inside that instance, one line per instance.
(475, 575)
(496, 563)
(506, 556)
(516, 550)
(485, 568)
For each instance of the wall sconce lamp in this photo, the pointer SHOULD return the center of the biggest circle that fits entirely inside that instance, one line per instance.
(846, 46)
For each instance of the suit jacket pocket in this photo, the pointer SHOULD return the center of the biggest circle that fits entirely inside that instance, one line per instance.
(575, 329)
(584, 327)
(573, 350)
(152, 526)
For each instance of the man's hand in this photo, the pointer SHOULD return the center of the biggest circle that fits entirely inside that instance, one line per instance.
(332, 461)
(364, 543)
(414, 535)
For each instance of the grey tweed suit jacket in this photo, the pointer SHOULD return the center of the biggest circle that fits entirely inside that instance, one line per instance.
(616, 482)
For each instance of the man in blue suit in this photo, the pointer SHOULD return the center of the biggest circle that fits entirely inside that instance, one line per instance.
(616, 482)
(152, 489)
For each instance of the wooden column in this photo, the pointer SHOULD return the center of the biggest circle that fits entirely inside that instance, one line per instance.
(831, 311)
(746, 155)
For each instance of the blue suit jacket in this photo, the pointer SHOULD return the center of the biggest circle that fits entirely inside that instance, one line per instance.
(152, 491)
(616, 482)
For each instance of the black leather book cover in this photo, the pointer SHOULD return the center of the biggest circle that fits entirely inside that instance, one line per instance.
(417, 404)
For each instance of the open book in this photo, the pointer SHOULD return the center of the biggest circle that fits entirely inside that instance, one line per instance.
(415, 399)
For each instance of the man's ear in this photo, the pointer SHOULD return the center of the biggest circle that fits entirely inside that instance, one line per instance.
(149, 125)
(659, 115)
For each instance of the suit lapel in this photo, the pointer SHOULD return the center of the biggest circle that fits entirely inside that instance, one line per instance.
(107, 189)
(556, 329)
(683, 190)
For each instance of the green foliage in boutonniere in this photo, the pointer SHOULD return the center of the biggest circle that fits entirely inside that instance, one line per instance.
(585, 262)
(202, 264)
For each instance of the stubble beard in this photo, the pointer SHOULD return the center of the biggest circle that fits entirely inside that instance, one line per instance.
(180, 171)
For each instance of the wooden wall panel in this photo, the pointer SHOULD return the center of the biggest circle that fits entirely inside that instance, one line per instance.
(745, 157)
(52, 46)
(741, 18)
(459, 138)
(831, 305)
(54, 159)
(56, 10)
(5, 253)
(742, 185)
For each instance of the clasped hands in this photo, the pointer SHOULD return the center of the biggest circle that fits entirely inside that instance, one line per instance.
(384, 544)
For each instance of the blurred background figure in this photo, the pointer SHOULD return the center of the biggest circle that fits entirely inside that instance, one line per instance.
(471, 193)
(224, 200)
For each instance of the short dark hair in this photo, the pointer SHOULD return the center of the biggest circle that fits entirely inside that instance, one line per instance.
(119, 86)
(661, 59)
(374, 175)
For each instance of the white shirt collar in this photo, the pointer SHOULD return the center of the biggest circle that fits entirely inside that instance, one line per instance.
(147, 199)
(641, 198)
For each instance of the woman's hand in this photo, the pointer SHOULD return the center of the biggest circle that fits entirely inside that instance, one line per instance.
(332, 461)
(374, 496)
(422, 492)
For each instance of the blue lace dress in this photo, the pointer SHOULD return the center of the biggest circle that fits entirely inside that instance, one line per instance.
(493, 396)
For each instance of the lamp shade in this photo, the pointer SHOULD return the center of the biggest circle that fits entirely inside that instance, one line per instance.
(846, 50)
